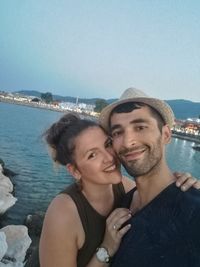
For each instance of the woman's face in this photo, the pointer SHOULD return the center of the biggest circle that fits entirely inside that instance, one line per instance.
(95, 159)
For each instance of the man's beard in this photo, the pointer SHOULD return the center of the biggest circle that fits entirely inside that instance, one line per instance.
(150, 162)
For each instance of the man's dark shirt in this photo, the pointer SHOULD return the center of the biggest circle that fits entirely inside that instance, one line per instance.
(165, 233)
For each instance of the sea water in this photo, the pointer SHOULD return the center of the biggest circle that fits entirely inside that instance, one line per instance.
(23, 150)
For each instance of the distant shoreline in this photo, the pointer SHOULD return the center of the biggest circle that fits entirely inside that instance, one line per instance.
(44, 106)
(36, 105)
(32, 104)
(185, 137)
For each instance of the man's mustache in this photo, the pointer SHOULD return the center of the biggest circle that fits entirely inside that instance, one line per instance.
(130, 150)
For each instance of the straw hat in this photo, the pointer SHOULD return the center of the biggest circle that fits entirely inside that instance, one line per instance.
(135, 95)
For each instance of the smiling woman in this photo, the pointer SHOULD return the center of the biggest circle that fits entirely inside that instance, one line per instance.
(86, 151)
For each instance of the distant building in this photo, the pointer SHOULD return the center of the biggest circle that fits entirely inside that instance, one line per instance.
(78, 107)
(189, 126)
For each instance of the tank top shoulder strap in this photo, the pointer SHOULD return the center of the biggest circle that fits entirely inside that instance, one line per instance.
(119, 193)
(93, 224)
(80, 201)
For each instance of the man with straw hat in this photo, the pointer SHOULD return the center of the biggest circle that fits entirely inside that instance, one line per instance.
(165, 222)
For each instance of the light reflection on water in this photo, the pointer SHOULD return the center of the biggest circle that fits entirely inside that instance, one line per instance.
(182, 157)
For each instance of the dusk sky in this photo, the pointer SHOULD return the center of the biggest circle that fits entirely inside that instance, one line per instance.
(98, 48)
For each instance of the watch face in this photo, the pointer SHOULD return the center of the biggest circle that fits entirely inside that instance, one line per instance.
(102, 255)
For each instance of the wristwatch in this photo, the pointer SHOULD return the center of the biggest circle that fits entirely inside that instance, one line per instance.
(102, 255)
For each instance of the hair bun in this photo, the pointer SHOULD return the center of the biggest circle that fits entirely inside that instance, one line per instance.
(61, 136)
(69, 118)
(54, 133)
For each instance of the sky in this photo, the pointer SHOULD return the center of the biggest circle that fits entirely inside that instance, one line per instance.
(98, 48)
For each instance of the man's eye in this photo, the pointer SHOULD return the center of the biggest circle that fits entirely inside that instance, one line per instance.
(92, 155)
(140, 128)
(116, 134)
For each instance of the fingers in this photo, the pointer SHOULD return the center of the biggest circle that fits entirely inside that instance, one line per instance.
(124, 230)
(119, 212)
(115, 229)
(188, 183)
(197, 185)
(117, 219)
(116, 215)
(185, 181)
(118, 222)
(181, 178)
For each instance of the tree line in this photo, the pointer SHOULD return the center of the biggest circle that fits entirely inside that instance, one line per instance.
(99, 103)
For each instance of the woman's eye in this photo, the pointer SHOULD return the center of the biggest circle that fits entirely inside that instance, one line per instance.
(92, 155)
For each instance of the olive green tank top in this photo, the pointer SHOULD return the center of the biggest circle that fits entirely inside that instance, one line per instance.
(93, 223)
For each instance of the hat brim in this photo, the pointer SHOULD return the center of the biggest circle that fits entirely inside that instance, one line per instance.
(159, 105)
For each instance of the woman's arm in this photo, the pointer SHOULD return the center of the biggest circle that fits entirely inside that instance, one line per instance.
(113, 234)
(58, 242)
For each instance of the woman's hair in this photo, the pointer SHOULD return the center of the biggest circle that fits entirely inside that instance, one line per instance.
(62, 134)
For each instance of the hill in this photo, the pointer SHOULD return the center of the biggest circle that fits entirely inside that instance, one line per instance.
(183, 109)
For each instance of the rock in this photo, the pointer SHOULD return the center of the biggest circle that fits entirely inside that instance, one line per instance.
(6, 171)
(6, 200)
(2, 163)
(14, 239)
(18, 242)
(3, 245)
(9, 173)
(5, 182)
(33, 258)
(11, 264)
(34, 223)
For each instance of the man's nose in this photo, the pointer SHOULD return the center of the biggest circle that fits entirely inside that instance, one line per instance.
(129, 138)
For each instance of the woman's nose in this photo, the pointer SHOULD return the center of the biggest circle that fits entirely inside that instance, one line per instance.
(108, 156)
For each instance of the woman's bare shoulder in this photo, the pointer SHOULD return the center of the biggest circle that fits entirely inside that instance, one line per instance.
(62, 219)
(59, 241)
(60, 208)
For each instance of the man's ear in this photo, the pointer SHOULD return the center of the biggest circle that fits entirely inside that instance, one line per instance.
(166, 133)
(71, 168)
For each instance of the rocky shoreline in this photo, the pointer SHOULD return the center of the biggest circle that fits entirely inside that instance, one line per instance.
(18, 243)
